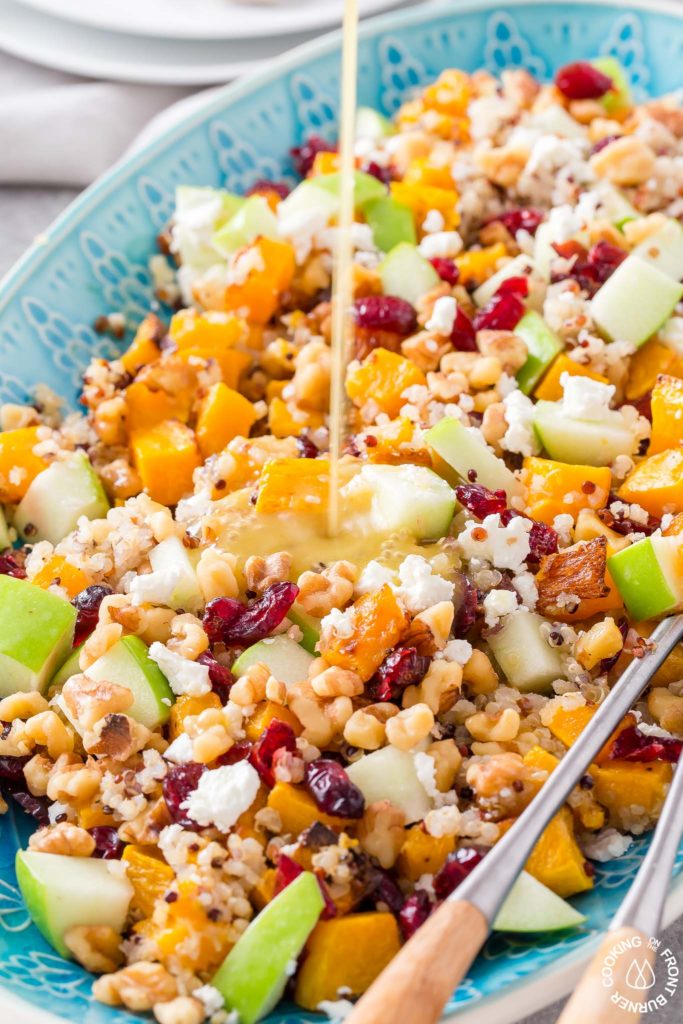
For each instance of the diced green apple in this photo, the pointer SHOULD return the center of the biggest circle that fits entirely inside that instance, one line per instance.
(412, 499)
(582, 442)
(254, 974)
(61, 893)
(307, 198)
(648, 576)
(465, 453)
(520, 266)
(525, 657)
(309, 626)
(406, 273)
(36, 633)
(370, 124)
(635, 301)
(171, 554)
(664, 250)
(287, 660)
(5, 539)
(389, 774)
(199, 213)
(70, 668)
(615, 206)
(128, 664)
(254, 219)
(390, 222)
(58, 497)
(618, 98)
(531, 906)
(542, 345)
(366, 186)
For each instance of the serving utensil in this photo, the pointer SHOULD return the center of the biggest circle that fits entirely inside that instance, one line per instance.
(415, 986)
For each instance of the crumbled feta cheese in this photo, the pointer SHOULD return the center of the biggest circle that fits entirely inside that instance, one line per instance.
(671, 333)
(210, 998)
(607, 844)
(506, 547)
(443, 316)
(184, 676)
(338, 622)
(155, 587)
(444, 244)
(586, 399)
(180, 751)
(443, 821)
(300, 227)
(459, 651)
(434, 221)
(420, 587)
(425, 769)
(525, 585)
(520, 436)
(373, 577)
(563, 524)
(242, 263)
(223, 794)
(336, 1009)
(498, 603)
(506, 385)
(58, 810)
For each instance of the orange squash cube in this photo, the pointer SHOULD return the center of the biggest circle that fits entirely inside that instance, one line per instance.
(557, 861)
(186, 707)
(212, 335)
(550, 389)
(223, 414)
(450, 93)
(264, 714)
(421, 172)
(19, 465)
(144, 348)
(272, 266)
(150, 877)
(478, 265)
(422, 854)
(92, 815)
(293, 485)
(383, 376)
(567, 724)
(667, 414)
(58, 570)
(146, 407)
(166, 456)
(287, 420)
(324, 163)
(621, 785)
(423, 198)
(550, 483)
(377, 624)
(298, 811)
(656, 483)
(646, 365)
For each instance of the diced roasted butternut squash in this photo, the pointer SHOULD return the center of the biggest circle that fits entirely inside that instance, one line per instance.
(294, 485)
(144, 348)
(287, 420)
(377, 623)
(232, 362)
(264, 890)
(383, 376)
(268, 267)
(324, 163)
(346, 952)
(537, 757)
(631, 790)
(263, 715)
(585, 809)
(557, 861)
(422, 172)
(656, 483)
(150, 877)
(646, 364)
(477, 265)
(422, 854)
(19, 465)
(186, 707)
(57, 570)
(667, 414)
(223, 414)
(554, 488)
(298, 810)
(189, 940)
(146, 407)
(450, 93)
(166, 456)
(209, 331)
(423, 198)
(567, 724)
(550, 389)
(92, 815)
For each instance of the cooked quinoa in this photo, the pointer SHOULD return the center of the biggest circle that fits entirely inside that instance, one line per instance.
(418, 676)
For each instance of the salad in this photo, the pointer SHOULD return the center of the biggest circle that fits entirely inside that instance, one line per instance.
(259, 756)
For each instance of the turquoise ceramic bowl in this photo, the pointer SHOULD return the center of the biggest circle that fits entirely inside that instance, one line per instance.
(93, 260)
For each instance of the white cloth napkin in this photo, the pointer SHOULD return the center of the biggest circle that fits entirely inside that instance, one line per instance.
(56, 129)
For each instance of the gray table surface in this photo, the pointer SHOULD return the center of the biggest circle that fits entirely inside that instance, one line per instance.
(24, 213)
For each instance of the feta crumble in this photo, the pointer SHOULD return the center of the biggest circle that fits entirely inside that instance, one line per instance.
(498, 603)
(185, 677)
(338, 622)
(223, 794)
(420, 587)
(443, 821)
(506, 547)
(607, 844)
(373, 578)
(434, 221)
(180, 751)
(210, 998)
(443, 316)
(586, 399)
(459, 651)
(444, 244)
(520, 436)
(155, 587)
(335, 1009)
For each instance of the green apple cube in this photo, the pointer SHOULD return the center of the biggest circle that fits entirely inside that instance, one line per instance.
(254, 974)
(128, 664)
(286, 659)
(648, 576)
(412, 499)
(405, 272)
(664, 250)
(391, 223)
(306, 199)
(5, 539)
(520, 266)
(582, 442)
(542, 344)
(525, 657)
(36, 633)
(172, 555)
(309, 626)
(71, 667)
(618, 98)
(635, 301)
(370, 124)
(464, 452)
(390, 774)
(61, 893)
(58, 497)
(531, 906)
(365, 186)
(615, 206)
(254, 219)
(199, 213)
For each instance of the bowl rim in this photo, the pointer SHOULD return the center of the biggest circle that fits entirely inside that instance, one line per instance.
(552, 981)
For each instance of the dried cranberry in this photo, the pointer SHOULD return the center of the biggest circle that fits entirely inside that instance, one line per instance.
(35, 806)
(304, 155)
(514, 286)
(220, 677)
(582, 81)
(414, 912)
(457, 867)
(543, 539)
(519, 219)
(332, 789)
(402, 667)
(463, 335)
(108, 846)
(605, 258)
(263, 185)
(608, 663)
(305, 448)
(624, 525)
(467, 608)
(590, 268)
(237, 752)
(382, 174)
(633, 745)
(275, 736)
(480, 501)
(501, 313)
(12, 768)
(603, 143)
(180, 781)
(87, 603)
(446, 269)
(230, 622)
(287, 870)
(385, 313)
(9, 566)
(643, 405)
(386, 891)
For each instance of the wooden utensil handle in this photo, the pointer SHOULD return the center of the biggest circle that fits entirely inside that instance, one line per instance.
(419, 981)
(607, 977)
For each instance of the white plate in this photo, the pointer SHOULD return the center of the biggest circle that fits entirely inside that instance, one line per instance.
(56, 43)
(203, 19)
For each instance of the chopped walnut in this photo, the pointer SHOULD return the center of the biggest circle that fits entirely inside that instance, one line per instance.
(138, 987)
(261, 573)
(320, 592)
(116, 736)
(183, 1010)
(381, 832)
(88, 700)
(65, 839)
(578, 570)
(96, 947)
